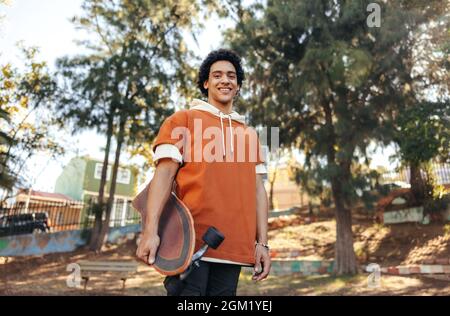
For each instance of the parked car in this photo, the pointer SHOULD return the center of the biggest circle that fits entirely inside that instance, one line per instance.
(32, 223)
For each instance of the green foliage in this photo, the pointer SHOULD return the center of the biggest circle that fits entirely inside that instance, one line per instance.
(423, 132)
(436, 205)
(123, 86)
(26, 128)
(437, 199)
(136, 65)
(332, 84)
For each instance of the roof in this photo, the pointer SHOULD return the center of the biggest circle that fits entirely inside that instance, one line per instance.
(110, 163)
(47, 196)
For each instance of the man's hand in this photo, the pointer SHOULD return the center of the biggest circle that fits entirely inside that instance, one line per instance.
(262, 263)
(148, 246)
(158, 194)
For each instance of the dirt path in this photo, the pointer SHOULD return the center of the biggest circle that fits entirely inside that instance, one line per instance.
(386, 245)
(47, 275)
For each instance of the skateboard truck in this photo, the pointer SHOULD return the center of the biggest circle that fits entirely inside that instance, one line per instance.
(212, 238)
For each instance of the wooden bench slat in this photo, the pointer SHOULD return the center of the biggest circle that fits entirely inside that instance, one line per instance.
(108, 263)
(122, 269)
(106, 269)
(108, 266)
(98, 273)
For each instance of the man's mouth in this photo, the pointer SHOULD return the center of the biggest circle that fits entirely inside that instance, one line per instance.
(225, 90)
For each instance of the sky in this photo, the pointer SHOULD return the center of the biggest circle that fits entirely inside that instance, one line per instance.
(46, 24)
(42, 23)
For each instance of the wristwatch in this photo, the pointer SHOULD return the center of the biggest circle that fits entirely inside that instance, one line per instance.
(261, 244)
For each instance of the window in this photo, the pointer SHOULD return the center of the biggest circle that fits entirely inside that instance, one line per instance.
(123, 174)
(98, 171)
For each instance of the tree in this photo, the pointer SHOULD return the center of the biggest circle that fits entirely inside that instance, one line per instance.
(26, 128)
(331, 83)
(423, 133)
(6, 179)
(274, 159)
(124, 85)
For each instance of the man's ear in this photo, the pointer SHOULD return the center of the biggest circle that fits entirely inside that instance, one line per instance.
(205, 84)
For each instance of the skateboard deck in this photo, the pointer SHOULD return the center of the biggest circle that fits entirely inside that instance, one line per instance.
(175, 230)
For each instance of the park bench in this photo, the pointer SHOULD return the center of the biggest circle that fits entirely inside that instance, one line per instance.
(122, 269)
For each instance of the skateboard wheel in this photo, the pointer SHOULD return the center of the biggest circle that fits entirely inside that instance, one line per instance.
(213, 238)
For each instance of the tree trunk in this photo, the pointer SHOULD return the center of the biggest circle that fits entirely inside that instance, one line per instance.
(105, 225)
(100, 205)
(272, 183)
(272, 180)
(417, 183)
(345, 258)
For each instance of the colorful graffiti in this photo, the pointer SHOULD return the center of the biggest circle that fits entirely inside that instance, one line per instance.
(65, 241)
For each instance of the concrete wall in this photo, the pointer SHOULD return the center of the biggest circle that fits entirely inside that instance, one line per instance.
(290, 211)
(65, 241)
(303, 267)
(414, 214)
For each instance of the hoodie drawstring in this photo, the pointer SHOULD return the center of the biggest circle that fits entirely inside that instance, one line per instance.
(231, 134)
(223, 140)
(223, 135)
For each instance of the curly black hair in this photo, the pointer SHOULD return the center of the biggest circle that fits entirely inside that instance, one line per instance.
(217, 55)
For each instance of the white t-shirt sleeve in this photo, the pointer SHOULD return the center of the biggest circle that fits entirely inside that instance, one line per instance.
(167, 151)
(261, 168)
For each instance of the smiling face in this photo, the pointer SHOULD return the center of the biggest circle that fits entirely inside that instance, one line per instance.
(222, 83)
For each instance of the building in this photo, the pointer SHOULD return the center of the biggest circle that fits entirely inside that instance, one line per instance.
(64, 213)
(286, 193)
(80, 180)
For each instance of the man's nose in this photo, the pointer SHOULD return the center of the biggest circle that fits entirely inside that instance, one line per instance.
(225, 80)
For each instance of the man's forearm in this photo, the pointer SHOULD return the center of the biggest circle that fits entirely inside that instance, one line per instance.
(158, 194)
(262, 211)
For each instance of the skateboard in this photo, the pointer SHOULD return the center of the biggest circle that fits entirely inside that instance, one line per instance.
(175, 230)
(175, 255)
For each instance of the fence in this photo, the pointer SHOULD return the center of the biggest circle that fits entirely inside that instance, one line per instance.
(441, 173)
(42, 216)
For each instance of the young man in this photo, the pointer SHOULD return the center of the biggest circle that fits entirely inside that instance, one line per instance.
(210, 153)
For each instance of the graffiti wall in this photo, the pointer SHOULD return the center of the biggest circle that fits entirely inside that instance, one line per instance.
(64, 241)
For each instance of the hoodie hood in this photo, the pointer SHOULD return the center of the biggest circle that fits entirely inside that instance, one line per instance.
(197, 104)
(201, 105)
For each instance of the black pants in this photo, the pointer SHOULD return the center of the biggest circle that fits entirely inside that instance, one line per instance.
(211, 279)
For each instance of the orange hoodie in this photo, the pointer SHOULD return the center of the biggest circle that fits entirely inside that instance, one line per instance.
(220, 156)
